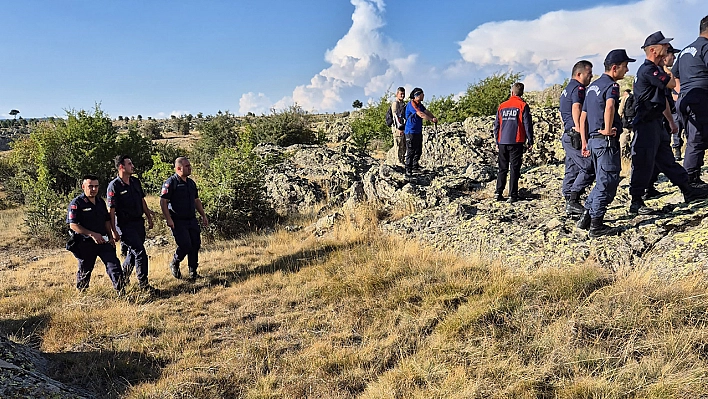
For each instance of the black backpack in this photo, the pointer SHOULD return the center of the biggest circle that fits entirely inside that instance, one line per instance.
(389, 117)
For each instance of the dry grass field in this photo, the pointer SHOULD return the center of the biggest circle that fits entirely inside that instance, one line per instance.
(357, 314)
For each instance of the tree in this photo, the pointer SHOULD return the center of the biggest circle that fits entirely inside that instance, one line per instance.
(357, 104)
(120, 117)
(200, 115)
(483, 98)
(14, 113)
(140, 117)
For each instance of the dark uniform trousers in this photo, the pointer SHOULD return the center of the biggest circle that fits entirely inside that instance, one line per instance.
(694, 110)
(509, 154)
(607, 163)
(133, 236)
(650, 148)
(579, 172)
(414, 149)
(87, 253)
(666, 138)
(186, 233)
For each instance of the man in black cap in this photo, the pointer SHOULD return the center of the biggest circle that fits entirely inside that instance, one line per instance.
(691, 70)
(603, 123)
(578, 167)
(648, 147)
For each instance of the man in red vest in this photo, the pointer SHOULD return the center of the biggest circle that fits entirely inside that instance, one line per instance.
(513, 130)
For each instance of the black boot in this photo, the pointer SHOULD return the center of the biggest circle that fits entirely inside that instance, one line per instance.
(652, 193)
(637, 207)
(694, 179)
(599, 229)
(584, 222)
(691, 193)
(193, 274)
(174, 268)
(572, 205)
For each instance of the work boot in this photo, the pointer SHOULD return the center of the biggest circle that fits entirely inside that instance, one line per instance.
(694, 179)
(599, 229)
(174, 268)
(691, 193)
(584, 222)
(512, 199)
(652, 193)
(193, 274)
(499, 197)
(637, 207)
(677, 153)
(572, 205)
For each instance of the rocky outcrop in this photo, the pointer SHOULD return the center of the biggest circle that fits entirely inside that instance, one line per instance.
(22, 375)
(311, 176)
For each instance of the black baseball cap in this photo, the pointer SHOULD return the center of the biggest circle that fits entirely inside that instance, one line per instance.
(656, 38)
(672, 50)
(617, 56)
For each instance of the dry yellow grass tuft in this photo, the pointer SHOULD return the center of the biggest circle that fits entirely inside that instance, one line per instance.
(358, 314)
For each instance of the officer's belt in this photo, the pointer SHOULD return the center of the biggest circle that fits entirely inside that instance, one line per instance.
(596, 135)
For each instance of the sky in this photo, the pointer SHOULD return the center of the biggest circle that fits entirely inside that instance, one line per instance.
(160, 58)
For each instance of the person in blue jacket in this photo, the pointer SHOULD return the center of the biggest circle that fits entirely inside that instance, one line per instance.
(513, 131)
(415, 113)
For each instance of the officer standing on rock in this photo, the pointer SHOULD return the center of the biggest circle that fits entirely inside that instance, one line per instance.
(578, 166)
(604, 126)
(179, 201)
(650, 146)
(691, 70)
(88, 218)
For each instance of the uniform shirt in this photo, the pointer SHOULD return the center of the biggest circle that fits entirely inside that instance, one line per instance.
(691, 66)
(650, 92)
(88, 215)
(414, 123)
(574, 93)
(512, 124)
(597, 95)
(181, 195)
(127, 199)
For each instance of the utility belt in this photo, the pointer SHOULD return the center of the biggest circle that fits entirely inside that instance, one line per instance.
(611, 140)
(575, 140)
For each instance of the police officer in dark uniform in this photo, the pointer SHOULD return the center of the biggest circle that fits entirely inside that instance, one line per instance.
(650, 146)
(691, 70)
(604, 127)
(179, 201)
(126, 201)
(578, 166)
(89, 218)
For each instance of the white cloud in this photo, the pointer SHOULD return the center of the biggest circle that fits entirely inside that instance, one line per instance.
(545, 49)
(256, 103)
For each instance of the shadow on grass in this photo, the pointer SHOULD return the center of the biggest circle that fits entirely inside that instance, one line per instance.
(291, 263)
(108, 374)
(28, 331)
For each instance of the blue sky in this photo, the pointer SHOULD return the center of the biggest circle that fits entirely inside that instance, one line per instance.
(158, 58)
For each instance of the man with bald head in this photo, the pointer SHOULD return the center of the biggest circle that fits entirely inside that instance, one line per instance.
(179, 201)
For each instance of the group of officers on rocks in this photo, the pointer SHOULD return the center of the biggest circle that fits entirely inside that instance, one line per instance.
(592, 128)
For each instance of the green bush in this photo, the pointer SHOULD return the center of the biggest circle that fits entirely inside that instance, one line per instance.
(151, 130)
(370, 124)
(445, 109)
(483, 98)
(283, 128)
(233, 193)
(163, 161)
(221, 131)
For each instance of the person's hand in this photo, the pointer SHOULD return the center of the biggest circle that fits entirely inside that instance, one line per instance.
(205, 221)
(584, 150)
(170, 223)
(435, 120)
(116, 237)
(611, 132)
(529, 147)
(151, 224)
(97, 238)
(674, 127)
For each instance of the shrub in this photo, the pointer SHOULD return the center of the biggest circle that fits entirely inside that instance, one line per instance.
(283, 128)
(483, 98)
(446, 109)
(221, 131)
(233, 192)
(371, 124)
(151, 130)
